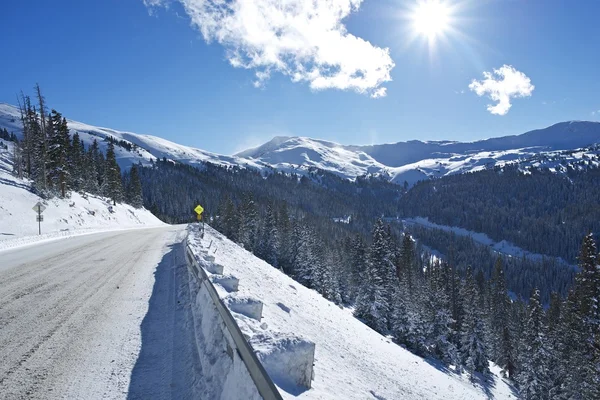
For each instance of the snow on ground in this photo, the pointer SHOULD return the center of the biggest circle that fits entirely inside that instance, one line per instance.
(78, 214)
(351, 361)
(148, 147)
(502, 247)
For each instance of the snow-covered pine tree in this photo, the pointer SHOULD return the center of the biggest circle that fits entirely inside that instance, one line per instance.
(76, 159)
(230, 221)
(439, 317)
(134, 188)
(501, 336)
(42, 141)
(89, 172)
(356, 252)
(555, 323)
(284, 229)
(585, 321)
(472, 337)
(248, 216)
(305, 261)
(372, 305)
(99, 165)
(269, 241)
(112, 184)
(533, 379)
(408, 315)
(59, 150)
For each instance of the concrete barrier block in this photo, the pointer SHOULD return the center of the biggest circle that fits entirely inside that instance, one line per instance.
(229, 282)
(288, 359)
(248, 306)
(215, 268)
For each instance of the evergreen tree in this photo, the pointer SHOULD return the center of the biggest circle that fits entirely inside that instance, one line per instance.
(269, 247)
(248, 217)
(112, 185)
(473, 344)
(76, 160)
(440, 320)
(134, 188)
(59, 150)
(534, 376)
(584, 326)
(501, 335)
(373, 304)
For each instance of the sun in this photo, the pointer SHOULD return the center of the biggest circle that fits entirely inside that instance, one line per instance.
(431, 18)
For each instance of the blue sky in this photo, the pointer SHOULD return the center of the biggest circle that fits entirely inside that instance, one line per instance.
(144, 67)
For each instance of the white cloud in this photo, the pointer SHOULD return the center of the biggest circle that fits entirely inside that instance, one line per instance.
(303, 39)
(502, 85)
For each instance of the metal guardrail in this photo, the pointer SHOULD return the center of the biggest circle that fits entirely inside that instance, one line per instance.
(265, 386)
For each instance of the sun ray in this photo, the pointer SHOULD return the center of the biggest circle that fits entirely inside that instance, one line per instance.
(432, 25)
(431, 18)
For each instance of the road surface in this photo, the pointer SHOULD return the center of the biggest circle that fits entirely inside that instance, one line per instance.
(97, 316)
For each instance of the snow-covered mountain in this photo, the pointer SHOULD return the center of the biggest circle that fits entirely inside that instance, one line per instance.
(417, 160)
(398, 162)
(146, 147)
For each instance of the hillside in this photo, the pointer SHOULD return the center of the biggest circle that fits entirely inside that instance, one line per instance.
(144, 148)
(81, 213)
(352, 361)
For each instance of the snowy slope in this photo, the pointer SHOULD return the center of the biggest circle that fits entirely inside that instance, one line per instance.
(351, 360)
(297, 154)
(62, 217)
(148, 147)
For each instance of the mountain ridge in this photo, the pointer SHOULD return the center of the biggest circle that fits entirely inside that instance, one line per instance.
(408, 161)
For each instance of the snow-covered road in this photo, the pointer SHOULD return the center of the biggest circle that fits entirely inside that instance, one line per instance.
(85, 318)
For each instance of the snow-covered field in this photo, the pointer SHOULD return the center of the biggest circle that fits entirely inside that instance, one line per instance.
(351, 361)
(62, 217)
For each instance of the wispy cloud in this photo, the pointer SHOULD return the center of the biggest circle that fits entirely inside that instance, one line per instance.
(501, 85)
(303, 39)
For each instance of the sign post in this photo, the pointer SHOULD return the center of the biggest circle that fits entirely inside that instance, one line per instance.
(39, 209)
(199, 210)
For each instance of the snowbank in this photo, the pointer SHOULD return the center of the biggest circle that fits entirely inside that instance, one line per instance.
(62, 217)
(221, 366)
(351, 361)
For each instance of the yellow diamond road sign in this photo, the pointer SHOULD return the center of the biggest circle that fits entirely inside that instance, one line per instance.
(199, 209)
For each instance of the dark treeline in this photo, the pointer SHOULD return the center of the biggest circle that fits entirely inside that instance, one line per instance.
(122, 143)
(8, 136)
(172, 190)
(58, 162)
(548, 274)
(541, 211)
